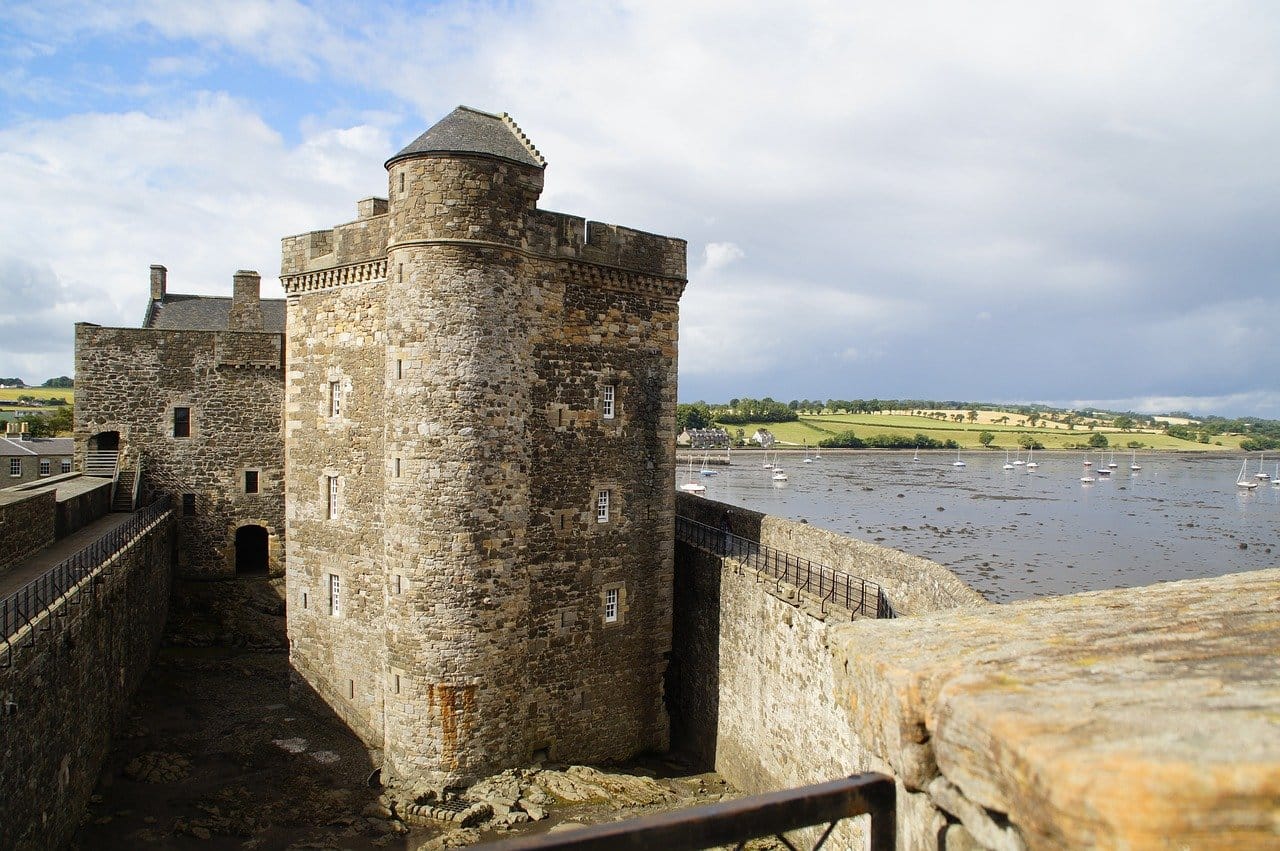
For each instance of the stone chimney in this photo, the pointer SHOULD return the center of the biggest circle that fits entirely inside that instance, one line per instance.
(369, 207)
(159, 279)
(246, 302)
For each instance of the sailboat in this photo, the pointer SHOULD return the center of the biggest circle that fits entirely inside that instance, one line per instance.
(1031, 465)
(1261, 476)
(1133, 461)
(779, 475)
(692, 486)
(706, 468)
(1086, 478)
(916, 457)
(1241, 482)
(1017, 459)
(807, 459)
(1007, 465)
(1112, 463)
(958, 462)
(1275, 480)
(817, 452)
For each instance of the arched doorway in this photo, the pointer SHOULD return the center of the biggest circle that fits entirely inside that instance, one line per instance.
(251, 550)
(105, 441)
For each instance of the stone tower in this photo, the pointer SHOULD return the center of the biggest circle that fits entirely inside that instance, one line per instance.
(479, 409)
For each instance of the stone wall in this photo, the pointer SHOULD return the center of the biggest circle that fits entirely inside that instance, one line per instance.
(79, 509)
(129, 380)
(70, 679)
(27, 523)
(914, 585)
(334, 337)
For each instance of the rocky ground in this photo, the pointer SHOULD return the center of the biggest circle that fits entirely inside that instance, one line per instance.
(214, 756)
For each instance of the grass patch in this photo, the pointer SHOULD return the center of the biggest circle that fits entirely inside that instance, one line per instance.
(11, 394)
(811, 429)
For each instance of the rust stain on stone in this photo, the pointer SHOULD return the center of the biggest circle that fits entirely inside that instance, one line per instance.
(455, 706)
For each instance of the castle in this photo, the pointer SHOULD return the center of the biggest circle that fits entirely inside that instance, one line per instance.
(456, 445)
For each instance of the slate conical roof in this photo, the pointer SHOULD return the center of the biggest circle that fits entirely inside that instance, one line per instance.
(470, 131)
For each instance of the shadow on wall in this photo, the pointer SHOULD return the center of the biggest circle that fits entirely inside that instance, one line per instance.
(692, 688)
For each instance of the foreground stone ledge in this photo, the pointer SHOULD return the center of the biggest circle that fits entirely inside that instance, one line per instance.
(1129, 718)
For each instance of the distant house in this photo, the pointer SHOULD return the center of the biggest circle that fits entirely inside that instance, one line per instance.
(24, 458)
(708, 438)
(763, 436)
(684, 438)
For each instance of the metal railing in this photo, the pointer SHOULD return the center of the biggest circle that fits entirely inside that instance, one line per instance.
(25, 605)
(856, 595)
(735, 822)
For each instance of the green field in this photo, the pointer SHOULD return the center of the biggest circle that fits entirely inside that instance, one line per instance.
(812, 428)
(9, 396)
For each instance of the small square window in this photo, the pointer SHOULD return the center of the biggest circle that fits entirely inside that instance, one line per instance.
(611, 605)
(602, 507)
(188, 504)
(45, 467)
(250, 481)
(15, 466)
(335, 595)
(65, 466)
(331, 510)
(606, 401)
(335, 398)
(181, 422)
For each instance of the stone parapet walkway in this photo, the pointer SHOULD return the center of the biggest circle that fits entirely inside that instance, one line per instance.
(37, 563)
(1134, 718)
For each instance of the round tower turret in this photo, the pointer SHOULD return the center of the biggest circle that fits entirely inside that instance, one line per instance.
(457, 399)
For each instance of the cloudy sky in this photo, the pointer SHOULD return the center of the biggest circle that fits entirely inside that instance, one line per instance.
(1068, 202)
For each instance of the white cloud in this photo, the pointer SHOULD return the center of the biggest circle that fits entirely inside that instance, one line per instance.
(717, 255)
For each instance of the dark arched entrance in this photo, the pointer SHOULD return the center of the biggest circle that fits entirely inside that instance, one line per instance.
(105, 441)
(251, 550)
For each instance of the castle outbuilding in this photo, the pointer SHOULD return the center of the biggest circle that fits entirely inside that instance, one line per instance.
(479, 403)
(190, 405)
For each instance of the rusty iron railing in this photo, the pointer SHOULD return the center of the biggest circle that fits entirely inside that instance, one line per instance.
(25, 605)
(852, 593)
(733, 823)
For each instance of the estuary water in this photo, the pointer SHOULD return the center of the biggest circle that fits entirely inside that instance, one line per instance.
(1013, 534)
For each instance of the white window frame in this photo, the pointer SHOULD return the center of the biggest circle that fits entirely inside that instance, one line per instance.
(15, 467)
(602, 506)
(331, 510)
(335, 595)
(612, 599)
(608, 398)
(46, 467)
(65, 466)
(335, 398)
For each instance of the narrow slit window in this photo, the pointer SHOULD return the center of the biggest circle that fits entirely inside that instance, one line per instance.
(611, 605)
(335, 595)
(396, 467)
(332, 508)
(335, 398)
(602, 507)
(250, 481)
(397, 683)
(399, 368)
(607, 397)
(181, 422)
(402, 181)
(305, 600)
(395, 583)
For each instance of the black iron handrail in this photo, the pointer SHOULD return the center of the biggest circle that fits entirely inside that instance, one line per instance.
(856, 595)
(735, 822)
(28, 602)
